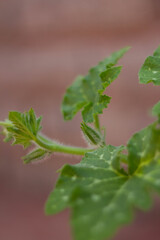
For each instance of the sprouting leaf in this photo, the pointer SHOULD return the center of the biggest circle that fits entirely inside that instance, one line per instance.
(150, 71)
(100, 194)
(36, 155)
(22, 127)
(86, 93)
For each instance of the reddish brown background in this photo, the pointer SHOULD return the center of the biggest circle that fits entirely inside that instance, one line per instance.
(43, 46)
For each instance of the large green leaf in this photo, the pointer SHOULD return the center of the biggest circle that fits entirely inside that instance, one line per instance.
(150, 71)
(100, 159)
(101, 194)
(86, 93)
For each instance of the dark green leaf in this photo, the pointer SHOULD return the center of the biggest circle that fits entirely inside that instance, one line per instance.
(150, 71)
(143, 147)
(93, 163)
(86, 93)
(100, 192)
(100, 197)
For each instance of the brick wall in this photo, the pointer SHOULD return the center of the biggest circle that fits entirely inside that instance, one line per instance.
(27, 17)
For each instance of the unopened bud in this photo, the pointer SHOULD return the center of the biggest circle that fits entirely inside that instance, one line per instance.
(91, 135)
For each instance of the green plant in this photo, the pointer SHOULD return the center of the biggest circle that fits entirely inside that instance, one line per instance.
(110, 181)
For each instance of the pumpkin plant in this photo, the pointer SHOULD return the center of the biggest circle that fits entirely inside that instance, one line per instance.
(102, 190)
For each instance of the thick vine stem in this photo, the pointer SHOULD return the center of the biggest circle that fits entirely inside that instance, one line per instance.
(55, 147)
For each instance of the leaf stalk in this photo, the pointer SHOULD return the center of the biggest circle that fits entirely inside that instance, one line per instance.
(55, 147)
(97, 123)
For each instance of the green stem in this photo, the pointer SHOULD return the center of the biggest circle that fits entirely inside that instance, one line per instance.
(55, 147)
(6, 124)
(96, 123)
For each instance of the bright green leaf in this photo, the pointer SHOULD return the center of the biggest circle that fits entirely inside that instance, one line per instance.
(86, 93)
(22, 127)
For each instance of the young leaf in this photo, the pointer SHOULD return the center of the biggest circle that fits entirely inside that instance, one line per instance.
(150, 71)
(22, 127)
(86, 92)
(35, 155)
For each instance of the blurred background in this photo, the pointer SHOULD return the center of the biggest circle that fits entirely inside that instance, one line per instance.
(44, 45)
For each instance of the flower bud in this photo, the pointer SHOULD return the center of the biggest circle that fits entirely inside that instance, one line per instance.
(91, 135)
